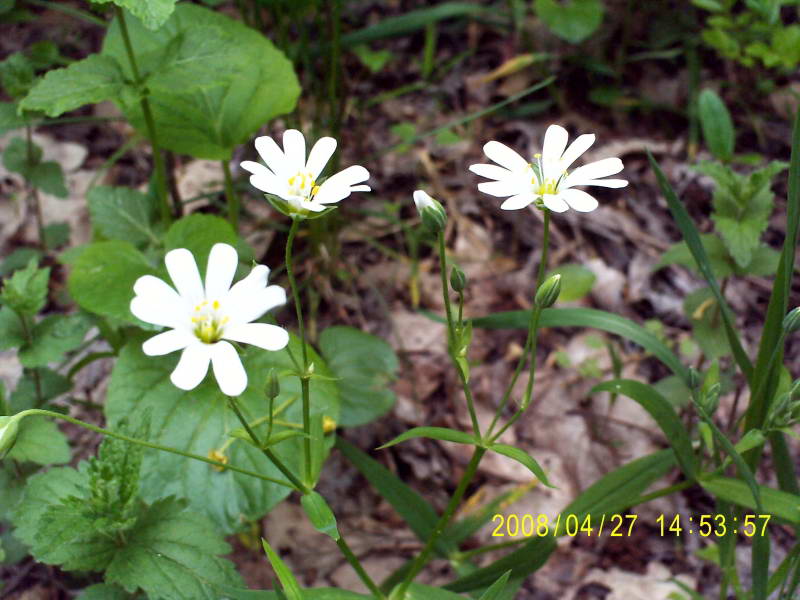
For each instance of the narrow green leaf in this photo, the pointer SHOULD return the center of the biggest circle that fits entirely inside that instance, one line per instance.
(418, 591)
(589, 317)
(717, 125)
(434, 433)
(320, 514)
(759, 554)
(662, 412)
(777, 503)
(692, 238)
(524, 459)
(288, 581)
(494, 590)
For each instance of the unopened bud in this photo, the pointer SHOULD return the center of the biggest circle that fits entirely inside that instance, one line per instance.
(273, 387)
(458, 281)
(431, 212)
(328, 424)
(548, 293)
(791, 322)
(711, 399)
(694, 378)
(9, 427)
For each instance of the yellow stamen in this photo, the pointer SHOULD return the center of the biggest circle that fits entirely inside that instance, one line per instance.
(314, 190)
(216, 305)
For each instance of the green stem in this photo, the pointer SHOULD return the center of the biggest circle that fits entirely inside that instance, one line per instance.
(445, 289)
(37, 380)
(231, 196)
(423, 556)
(33, 193)
(296, 483)
(545, 249)
(362, 574)
(304, 385)
(158, 158)
(100, 430)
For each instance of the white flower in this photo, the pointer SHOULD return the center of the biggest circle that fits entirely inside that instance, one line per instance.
(290, 176)
(201, 318)
(548, 179)
(422, 200)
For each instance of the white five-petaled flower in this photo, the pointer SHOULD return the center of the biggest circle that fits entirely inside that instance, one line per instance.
(422, 200)
(201, 317)
(290, 176)
(547, 179)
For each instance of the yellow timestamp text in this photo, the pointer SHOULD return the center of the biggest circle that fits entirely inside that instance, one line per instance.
(571, 525)
(713, 525)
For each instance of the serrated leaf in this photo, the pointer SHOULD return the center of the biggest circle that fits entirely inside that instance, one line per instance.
(720, 260)
(717, 124)
(524, 459)
(26, 290)
(18, 259)
(101, 263)
(12, 335)
(94, 79)
(320, 514)
(152, 13)
(364, 366)
(103, 591)
(434, 433)
(288, 581)
(255, 85)
(40, 441)
(9, 119)
(53, 337)
(200, 420)
(573, 20)
(47, 176)
(198, 233)
(120, 213)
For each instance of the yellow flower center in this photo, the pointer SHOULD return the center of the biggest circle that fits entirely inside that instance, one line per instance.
(208, 323)
(303, 184)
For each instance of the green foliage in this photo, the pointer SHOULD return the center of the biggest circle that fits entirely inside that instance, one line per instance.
(365, 366)
(198, 233)
(103, 591)
(576, 281)
(45, 175)
(702, 311)
(200, 421)
(152, 13)
(239, 80)
(320, 514)
(288, 581)
(717, 125)
(45, 384)
(124, 214)
(88, 81)
(53, 337)
(40, 441)
(17, 75)
(374, 60)
(573, 20)
(9, 119)
(25, 292)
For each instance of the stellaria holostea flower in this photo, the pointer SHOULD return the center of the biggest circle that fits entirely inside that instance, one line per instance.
(202, 317)
(547, 179)
(291, 177)
(430, 211)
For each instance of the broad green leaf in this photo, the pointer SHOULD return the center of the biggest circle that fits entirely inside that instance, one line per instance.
(320, 514)
(12, 334)
(365, 365)
(524, 459)
(572, 20)
(256, 83)
(781, 505)
(434, 433)
(576, 281)
(9, 119)
(120, 213)
(494, 590)
(53, 337)
(288, 581)
(37, 386)
(98, 265)
(717, 124)
(610, 494)
(103, 591)
(40, 441)
(589, 317)
(199, 421)
(18, 259)
(56, 235)
(42, 491)
(25, 291)
(17, 74)
(198, 233)
(152, 13)
(94, 79)
(663, 414)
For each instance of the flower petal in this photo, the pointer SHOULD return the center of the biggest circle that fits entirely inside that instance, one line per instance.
(221, 267)
(270, 153)
(158, 313)
(505, 156)
(581, 144)
(264, 179)
(609, 183)
(339, 186)
(320, 155)
(249, 307)
(183, 271)
(263, 335)
(507, 187)
(555, 202)
(491, 171)
(595, 170)
(579, 200)
(156, 289)
(519, 201)
(555, 141)
(169, 341)
(360, 188)
(255, 280)
(228, 369)
(192, 366)
(294, 146)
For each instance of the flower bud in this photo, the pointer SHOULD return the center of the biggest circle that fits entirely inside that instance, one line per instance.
(711, 399)
(791, 322)
(458, 281)
(694, 378)
(9, 427)
(273, 387)
(432, 213)
(548, 293)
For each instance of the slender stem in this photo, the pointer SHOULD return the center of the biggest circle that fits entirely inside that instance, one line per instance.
(423, 556)
(37, 380)
(296, 483)
(445, 289)
(100, 430)
(33, 193)
(545, 249)
(231, 196)
(158, 158)
(362, 574)
(304, 385)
